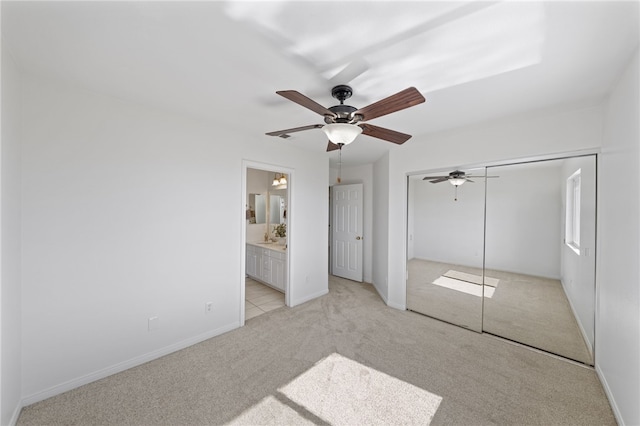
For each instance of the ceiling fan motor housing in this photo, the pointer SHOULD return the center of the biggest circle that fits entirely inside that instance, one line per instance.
(344, 114)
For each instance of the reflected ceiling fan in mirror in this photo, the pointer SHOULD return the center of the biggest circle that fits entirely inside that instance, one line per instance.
(455, 178)
(343, 123)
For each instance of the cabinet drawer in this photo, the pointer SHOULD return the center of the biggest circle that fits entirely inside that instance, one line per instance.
(278, 255)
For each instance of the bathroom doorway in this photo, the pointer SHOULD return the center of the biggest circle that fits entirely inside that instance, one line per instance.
(265, 266)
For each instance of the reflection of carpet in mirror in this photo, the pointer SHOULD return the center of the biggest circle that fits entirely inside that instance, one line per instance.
(448, 304)
(464, 286)
(471, 278)
(526, 309)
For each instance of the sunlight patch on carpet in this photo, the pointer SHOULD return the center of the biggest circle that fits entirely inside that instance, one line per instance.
(270, 411)
(464, 287)
(344, 392)
(475, 279)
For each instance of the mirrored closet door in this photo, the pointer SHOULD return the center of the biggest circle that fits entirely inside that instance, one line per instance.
(539, 254)
(445, 247)
(525, 231)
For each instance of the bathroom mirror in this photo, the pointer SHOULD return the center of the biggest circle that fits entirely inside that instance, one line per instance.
(257, 208)
(277, 209)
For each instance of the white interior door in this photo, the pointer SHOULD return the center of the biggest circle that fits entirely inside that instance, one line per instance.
(347, 231)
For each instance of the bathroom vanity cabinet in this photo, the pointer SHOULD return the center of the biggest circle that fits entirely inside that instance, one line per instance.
(267, 263)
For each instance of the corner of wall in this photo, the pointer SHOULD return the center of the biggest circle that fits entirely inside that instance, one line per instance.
(618, 276)
(10, 241)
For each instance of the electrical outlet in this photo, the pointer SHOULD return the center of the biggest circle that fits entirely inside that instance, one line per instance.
(208, 307)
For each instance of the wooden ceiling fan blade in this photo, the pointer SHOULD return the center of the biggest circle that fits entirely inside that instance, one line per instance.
(384, 134)
(469, 180)
(332, 146)
(440, 179)
(306, 102)
(434, 177)
(285, 133)
(406, 98)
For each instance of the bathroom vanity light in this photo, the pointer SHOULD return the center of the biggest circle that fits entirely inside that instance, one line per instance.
(280, 181)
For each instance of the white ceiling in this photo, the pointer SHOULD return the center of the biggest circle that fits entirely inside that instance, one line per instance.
(223, 61)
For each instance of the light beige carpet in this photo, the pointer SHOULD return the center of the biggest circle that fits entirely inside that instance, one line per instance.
(344, 392)
(241, 377)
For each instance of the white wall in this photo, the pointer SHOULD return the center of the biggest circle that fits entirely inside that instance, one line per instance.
(574, 128)
(364, 175)
(524, 219)
(380, 252)
(446, 230)
(130, 213)
(618, 277)
(10, 244)
(578, 270)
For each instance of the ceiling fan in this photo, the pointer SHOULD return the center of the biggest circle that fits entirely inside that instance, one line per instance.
(455, 178)
(343, 123)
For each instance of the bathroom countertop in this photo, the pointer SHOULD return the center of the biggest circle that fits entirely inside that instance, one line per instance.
(270, 246)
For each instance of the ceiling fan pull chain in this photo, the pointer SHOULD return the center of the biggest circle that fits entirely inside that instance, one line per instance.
(339, 163)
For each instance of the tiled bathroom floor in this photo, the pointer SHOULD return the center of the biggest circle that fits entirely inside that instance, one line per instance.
(260, 298)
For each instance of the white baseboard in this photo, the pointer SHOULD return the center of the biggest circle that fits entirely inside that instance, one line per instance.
(16, 413)
(386, 300)
(607, 391)
(396, 306)
(379, 292)
(585, 337)
(308, 298)
(125, 365)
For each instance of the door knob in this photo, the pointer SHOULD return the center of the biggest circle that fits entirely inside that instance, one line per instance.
(358, 238)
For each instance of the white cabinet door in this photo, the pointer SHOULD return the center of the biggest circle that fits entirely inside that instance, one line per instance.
(254, 262)
(266, 266)
(278, 273)
(250, 262)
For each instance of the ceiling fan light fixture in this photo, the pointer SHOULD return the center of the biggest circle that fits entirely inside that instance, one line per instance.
(457, 181)
(342, 133)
